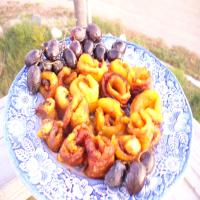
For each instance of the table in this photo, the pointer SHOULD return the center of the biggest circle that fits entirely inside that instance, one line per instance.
(187, 187)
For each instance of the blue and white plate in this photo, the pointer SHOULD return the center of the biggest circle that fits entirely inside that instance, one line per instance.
(48, 179)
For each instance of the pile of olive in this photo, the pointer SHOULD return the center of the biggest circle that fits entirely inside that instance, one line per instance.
(133, 175)
(55, 54)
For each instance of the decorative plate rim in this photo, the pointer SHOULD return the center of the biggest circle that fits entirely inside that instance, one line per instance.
(13, 159)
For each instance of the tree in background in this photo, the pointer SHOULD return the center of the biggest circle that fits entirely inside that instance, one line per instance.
(82, 12)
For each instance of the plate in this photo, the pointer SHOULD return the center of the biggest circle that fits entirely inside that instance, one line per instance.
(49, 179)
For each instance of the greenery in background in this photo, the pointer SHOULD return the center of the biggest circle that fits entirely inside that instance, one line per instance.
(15, 44)
(192, 92)
(109, 26)
(19, 39)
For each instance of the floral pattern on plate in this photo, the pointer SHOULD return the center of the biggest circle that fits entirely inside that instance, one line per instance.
(49, 179)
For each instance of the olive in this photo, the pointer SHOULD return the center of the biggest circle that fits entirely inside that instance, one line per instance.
(88, 46)
(127, 109)
(45, 44)
(40, 65)
(32, 57)
(34, 79)
(114, 176)
(100, 52)
(120, 46)
(113, 54)
(78, 33)
(148, 160)
(45, 66)
(135, 177)
(93, 32)
(70, 58)
(45, 83)
(76, 47)
(52, 50)
(57, 66)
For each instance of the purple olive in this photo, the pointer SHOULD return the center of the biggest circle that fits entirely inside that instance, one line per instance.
(45, 66)
(114, 176)
(78, 33)
(57, 66)
(120, 46)
(76, 47)
(113, 54)
(148, 160)
(70, 58)
(93, 32)
(88, 46)
(34, 79)
(32, 57)
(100, 52)
(52, 49)
(135, 177)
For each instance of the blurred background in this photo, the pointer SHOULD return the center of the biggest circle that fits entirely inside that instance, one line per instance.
(169, 28)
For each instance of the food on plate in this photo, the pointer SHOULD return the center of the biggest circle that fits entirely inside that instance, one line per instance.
(135, 177)
(148, 160)
(120, 67)
(100, 156)
(32, 57)
(139, 79)
(142, 127)
(88, 65)
(109, 118)
(73, 150)
(61, 97)
(34, 79)
(51, 132)
(75, 46)
(70, 58)
(85, 87)
(114, 177)
(47, 109)
(93, 32)
(57, 66)
(66, 118)
(127, 147)
(99, 112)
(120, 46)
(100, 52)
(49, 83)
(80, 111)
(115, 86)
(113, 54)
(66, 76)
(88, 46)
(149, 101)
(45, 66)
(78, 33)
(52, 49)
